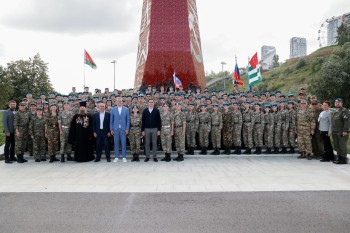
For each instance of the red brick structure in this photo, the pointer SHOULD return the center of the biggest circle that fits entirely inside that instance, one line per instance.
(169, 39)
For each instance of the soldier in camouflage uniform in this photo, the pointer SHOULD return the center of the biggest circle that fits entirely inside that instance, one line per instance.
(52, 132)
(247, 129)
(167, 132)
(135, 133)
(277, 128)
(191, 128)
(32, 113)
(284, 125)
(237, 127)
(204, 129)
(268, 130)
(305, 129)
(258, 128)
(292, 126)
(227, 128)
(216, 126)
(179, 126)
(64, 120)
(21, 124)
(37, 133)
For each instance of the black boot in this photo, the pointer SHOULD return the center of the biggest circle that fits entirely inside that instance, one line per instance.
(268, 151)
(214, 152)
(228, 150)
(62, 158)
(55, 159)
(276, 151)
(248, 151)
(20, 158)
(192, 151)
(258, 150)
(13, 159)
(238, 150)
(284, 150)
(168, 158)
(205, 152)
(24, 160)
(292, 150)
(218, 151)
(133, 158)
(341, 160)
(51, 159)
(189, 150)
(69, 158)
(202, 151)
(7, 160)
(137, 158)
(178, 155)
(181, 158)
(165, 157)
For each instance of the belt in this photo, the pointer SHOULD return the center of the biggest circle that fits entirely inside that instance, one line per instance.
(166, 126)
(180, 126)
(66, 127)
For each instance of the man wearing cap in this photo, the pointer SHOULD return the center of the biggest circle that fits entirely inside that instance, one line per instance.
(216, 126)
(269, 128)
(277, 120)
(191, 128)
(9, 130)
(179, 129)
(340, 131)
(64, 120)
(227, 128)
(37, 134)
(32, 113)
(292, 126)
(247, 129)
(135, 133)
(237, 128)
(52, 132)
(204, 128)
(21, 123)
(284, 126)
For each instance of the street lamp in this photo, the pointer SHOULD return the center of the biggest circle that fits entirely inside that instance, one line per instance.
(222, 66)
(114, 61)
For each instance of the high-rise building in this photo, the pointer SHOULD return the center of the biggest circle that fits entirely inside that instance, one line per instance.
(332, 27)
(298, 47)
(267, 54)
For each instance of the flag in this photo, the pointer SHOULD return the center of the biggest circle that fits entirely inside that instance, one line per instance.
(237, 77)
(177, 81)
(253, 73)
(88, 61)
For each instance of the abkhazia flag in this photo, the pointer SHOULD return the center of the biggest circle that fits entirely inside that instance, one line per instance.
(88, 60)
(254, 74)
(177, 81)
(237, 77)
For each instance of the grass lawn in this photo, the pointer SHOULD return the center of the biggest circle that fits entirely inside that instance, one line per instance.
(2, 136)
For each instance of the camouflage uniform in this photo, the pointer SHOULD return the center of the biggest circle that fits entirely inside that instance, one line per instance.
(191, 128)
(258, 129)
(305, 124)
(204, 128)
(32, 115)
(51, 124)
(65, 118)
(237, 128)
(227, 128)
(277, 130)
(165, 136)
(284, 128)
(216, 126)
(248, 124)
(37, 131)
(179, 119)
(269, 130)
(135, 133)
(21, 122)
(292, 128)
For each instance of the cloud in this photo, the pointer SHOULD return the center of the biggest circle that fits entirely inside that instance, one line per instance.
(75, 16)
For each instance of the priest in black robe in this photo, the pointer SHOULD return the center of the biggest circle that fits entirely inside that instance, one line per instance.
(81, 135)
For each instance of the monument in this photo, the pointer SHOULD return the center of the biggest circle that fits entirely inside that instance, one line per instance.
(169, 41)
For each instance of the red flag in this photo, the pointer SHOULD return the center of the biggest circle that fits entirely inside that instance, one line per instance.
(237, 77)
(88, 60)
(254, 61)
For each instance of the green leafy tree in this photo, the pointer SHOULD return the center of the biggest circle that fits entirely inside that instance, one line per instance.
(27, 75)
(334, 80)
(275, 61)
(5, 87)
(343, 34)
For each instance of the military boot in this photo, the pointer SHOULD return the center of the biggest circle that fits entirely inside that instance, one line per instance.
(341, 160)
(301, 156)
(133, 158)
(20, 158)
(308, 156)
(137, 157)
(268, 151)
(228, 150)
(13, 158)
(24, 160)
(178, 155)
(284, 150)
(62, 158)
(214, 152)
(248, 151)
(258, 150)
(192, 151)
(188, 152)
(165, 157)
(181, 158)
(292, 150)
(276, 151)
(205, 151)
(69, 158)
(238, 150)
(51, 159)
(169, 158)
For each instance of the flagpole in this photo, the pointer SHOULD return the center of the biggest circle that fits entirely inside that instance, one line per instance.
(235, 83)
(84, 68)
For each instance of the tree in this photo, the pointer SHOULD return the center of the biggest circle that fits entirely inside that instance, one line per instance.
(5, 87)
(334, 80)
(275, 61)
(343, 34)
(27, 75)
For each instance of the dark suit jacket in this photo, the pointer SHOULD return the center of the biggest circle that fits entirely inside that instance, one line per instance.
(151, 120)
(96, 123)
(8, 121)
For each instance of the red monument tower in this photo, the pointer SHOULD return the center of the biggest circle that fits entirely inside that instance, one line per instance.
(169, 40)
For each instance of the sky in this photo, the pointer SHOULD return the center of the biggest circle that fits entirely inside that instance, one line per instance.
(60, 30)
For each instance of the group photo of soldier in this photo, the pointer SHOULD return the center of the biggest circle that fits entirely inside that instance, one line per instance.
(224, 123)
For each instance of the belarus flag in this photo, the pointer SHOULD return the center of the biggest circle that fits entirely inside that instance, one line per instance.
(88, 60)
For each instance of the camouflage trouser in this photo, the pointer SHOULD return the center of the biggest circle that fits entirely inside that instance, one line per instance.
(268, 135)
(65, 146)
(216, 136)
(258, 135)
(30, 145)
(291, 135)
(237, 135)
(135, 139)
(203, 133)
(247, 131)
(179, 140)
(304, 139)
(39, 146)
(227, 131)
(277, 136)
(190, 135)
(284, 133)
(21, 141)
(166, 139)
(340, 144)
(52, 140)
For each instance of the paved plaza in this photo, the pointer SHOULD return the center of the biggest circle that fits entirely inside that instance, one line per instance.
(197, 173)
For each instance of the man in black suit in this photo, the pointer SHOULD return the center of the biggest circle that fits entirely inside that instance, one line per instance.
(9, 130)
(101, 129)
(151, 126)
